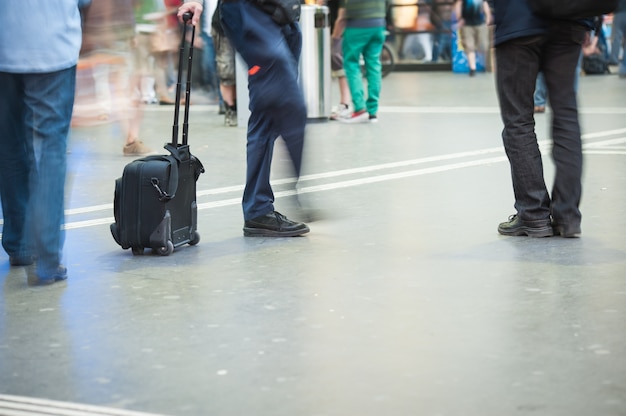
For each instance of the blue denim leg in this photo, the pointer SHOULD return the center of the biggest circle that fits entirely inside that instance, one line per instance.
(208, 62)
(540, 91)
(14, 166)
(277, 105)
(45, 104)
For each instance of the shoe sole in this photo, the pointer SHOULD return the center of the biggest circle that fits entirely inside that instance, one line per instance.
(528, 232)
(261, 232)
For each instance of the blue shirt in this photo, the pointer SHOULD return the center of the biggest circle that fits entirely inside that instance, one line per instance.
(39, 36)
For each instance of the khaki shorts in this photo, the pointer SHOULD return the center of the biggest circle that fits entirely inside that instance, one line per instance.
(224, 58)
(475, 38)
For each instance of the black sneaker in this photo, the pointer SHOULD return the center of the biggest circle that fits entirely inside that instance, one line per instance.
(518, 227)
(566, 230)
(273, 224)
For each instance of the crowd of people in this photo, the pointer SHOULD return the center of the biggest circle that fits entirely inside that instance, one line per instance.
(39, 81)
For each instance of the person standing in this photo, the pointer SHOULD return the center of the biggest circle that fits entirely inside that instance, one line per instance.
(473, 17)
(39, 46)
(225, 59)
(525, 45)
(618, 35)
(277, 108)
(361, 24)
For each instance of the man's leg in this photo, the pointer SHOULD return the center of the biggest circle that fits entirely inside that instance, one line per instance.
(14, 169)
(517, 67)
(560, 59)
(275, 96)
(373, 67)
(354, 40)
(49, 99)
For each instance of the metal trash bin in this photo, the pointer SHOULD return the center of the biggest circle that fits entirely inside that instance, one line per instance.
(315, 61)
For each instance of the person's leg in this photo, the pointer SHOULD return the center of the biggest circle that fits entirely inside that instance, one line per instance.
(540, 93)
(617, 37)
(517, 65)
(49, 100)
(468, 37)
(622, 27)
(373, 67)
(559, 62)
(14, 169)
(354, 40)
(276, 102)
(208, 63)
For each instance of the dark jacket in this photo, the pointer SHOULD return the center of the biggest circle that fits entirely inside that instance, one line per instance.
(514, 19)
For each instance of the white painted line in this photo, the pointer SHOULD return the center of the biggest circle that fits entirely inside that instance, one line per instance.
(25, 406)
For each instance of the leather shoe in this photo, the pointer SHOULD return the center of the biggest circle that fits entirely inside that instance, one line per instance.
(273, 224)
(515, 226)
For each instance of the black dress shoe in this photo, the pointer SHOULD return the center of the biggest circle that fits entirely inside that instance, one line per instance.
(273, 224)
(515, 226)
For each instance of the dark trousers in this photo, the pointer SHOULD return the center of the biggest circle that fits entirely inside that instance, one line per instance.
(518, 62)
(277, 107)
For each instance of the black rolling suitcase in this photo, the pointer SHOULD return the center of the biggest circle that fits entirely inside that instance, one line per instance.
(155, 199)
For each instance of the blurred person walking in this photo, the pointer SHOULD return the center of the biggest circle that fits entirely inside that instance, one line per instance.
(225, 66)
(525, 45)
(39, 46)
(109, 30)
(271, 49)
(473, 17)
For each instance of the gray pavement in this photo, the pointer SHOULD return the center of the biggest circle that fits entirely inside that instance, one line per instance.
(402, 300)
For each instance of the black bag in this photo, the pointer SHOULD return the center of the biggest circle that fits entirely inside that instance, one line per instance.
(572, 9)
(283, 12)
(155, 199)
(595, 64)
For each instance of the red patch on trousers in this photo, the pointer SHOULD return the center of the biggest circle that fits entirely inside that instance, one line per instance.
(254, 70)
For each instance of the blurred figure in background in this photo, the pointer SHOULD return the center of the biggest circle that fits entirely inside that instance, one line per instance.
(225, 66)
(473, 17)
(109, 32)
(39, 46)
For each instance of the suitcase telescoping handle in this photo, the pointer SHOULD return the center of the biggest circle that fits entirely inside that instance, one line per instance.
(186, 18)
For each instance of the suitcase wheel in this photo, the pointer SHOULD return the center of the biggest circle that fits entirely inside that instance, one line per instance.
(137, 251)
(195, 238)
(165, 251)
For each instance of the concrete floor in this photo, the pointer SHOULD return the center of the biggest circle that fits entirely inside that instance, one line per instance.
(402, 300)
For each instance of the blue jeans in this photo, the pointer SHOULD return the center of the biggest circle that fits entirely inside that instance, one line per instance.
(35, 115)
(619, 32)
(209, 67)
(518, 63)
(277, 107)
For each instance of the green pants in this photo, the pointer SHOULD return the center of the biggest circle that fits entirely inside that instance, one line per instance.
(369, 43)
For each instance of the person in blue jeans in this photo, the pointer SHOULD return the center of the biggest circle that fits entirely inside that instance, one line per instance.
(526, 45)
(39, 46)
(277, 108)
